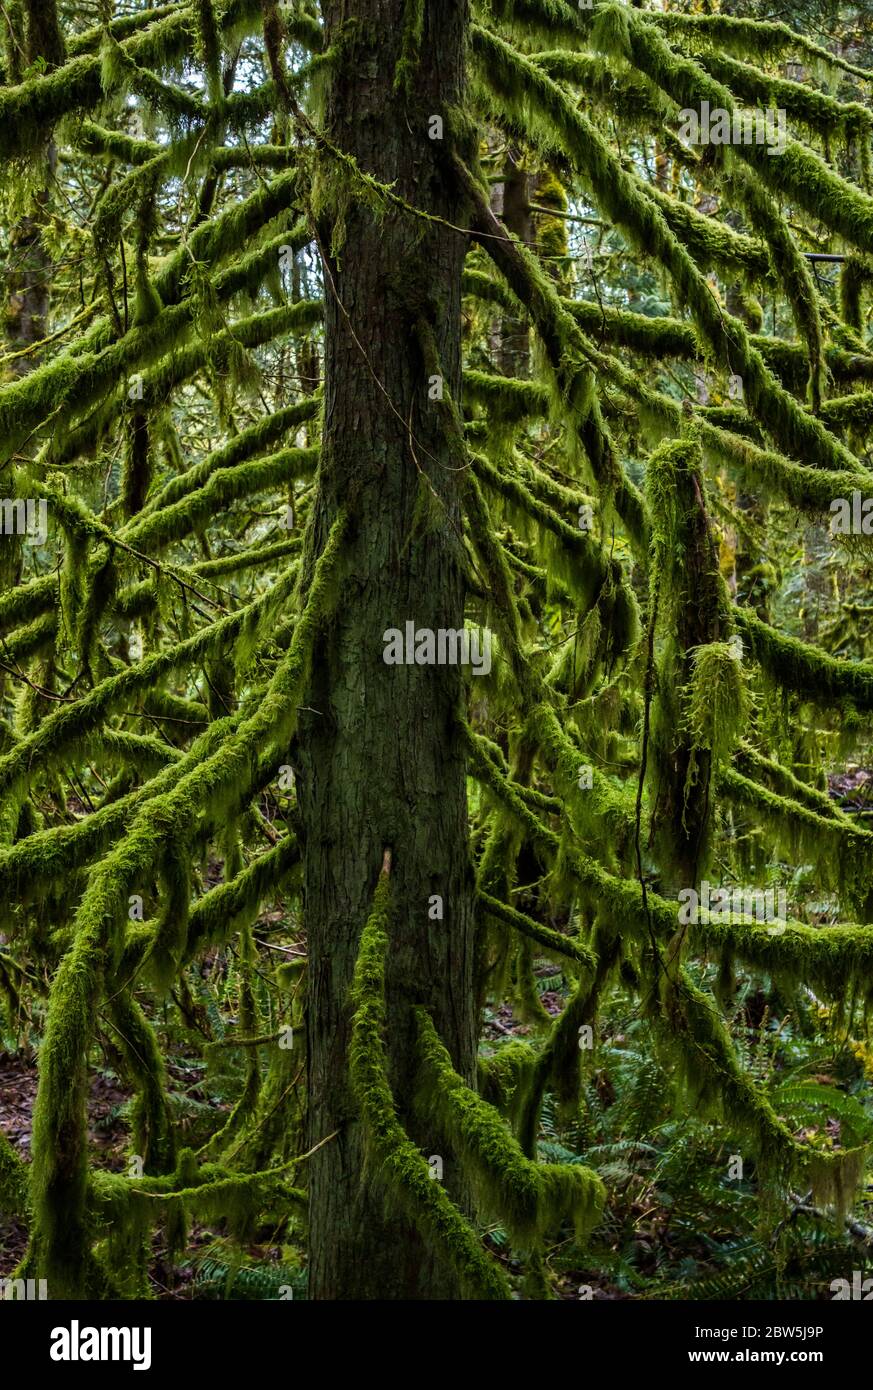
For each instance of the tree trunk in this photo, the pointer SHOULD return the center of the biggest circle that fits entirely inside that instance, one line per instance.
(28, 274)
(510, 200)
(379, 765)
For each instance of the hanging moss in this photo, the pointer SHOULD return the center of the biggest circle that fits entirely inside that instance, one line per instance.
(410, 46)
(749, 760)
(803, 832)
(86, 372)
(686, 615)
(853, 277)
(543, 20)
(559, 1062)
(714, 245)
(208, 46)
(400, 1163)
(551, 940)
(250, 442)
(224, 485)
(72, 724)
(582, 564)
(125, 1208)
(694, 1032)
(819, 113)
(624, 199)
(247, 1103)
(568, 355)
(718, 702)
(572, 683)
(810, 489)
(528, 1198)
(503, 1074)
(59, 1170)
(792, 270)
(153, 1137)
(796, 665)
(226, 907)
(797, 172)
(754, 38)
(506, 400)
(13, 1181)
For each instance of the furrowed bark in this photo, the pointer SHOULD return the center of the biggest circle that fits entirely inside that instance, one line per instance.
(378, 765)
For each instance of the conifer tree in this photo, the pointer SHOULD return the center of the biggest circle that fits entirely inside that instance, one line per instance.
(253, 268)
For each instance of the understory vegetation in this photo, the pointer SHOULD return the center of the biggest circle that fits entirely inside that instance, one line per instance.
(632, 422)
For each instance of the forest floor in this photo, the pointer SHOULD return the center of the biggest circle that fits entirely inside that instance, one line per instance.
(208, 1264)
(109, 1141)
(106, 1127)
(211, 1263)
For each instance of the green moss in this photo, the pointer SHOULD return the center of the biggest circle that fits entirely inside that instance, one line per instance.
(530, 1199)
(503, 1075)
(531, 98)
(122, 1209)
(96, 364)
(153, 1137)
(248, 443)
(71, 725)
(400, 1164)
(660, 336)
(568, 356)
(59, 1170)
(803, 834)
(247, 1103)
(568, 668)
(582, 564)
(853, 277)
(811, 490)
(552, 941)
(216, 785)
(753, 38)
(717, 702)
(223, 486)
(13, 1181)
(799, 666)
(410, 46)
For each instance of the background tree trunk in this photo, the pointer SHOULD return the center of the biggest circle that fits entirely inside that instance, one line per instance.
(378, 763)
(28, 273)
(510, 200)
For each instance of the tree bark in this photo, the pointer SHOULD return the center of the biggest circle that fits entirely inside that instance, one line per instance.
(379, 766)
(510, 201)
(28, 273)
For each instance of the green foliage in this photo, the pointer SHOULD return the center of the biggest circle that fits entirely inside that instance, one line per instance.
(718, 703)
(174, 211)
(249, 1282)
(397, 1160)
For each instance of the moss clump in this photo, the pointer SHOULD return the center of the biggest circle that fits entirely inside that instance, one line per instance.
(529, 1198)
(400, 1163)
(13, 1181)
(717, 703)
